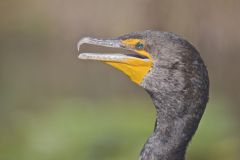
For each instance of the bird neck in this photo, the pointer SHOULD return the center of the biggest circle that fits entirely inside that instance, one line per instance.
(179, 92)
(174, 128)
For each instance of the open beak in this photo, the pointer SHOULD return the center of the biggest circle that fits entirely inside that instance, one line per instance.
(109, 57)
(134, 64)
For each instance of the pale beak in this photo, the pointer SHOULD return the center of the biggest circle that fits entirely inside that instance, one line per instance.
(135, 65)
(112, 43)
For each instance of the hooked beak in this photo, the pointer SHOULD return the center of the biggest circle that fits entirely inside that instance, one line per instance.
(135, 64)
(100, 42)
(112, 43)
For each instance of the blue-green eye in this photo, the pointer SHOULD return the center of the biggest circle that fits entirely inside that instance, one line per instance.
(139, 46)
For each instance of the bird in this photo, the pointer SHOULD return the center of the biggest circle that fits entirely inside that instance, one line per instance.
(173, 73)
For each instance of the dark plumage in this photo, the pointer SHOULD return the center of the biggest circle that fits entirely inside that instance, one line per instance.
(178, 85)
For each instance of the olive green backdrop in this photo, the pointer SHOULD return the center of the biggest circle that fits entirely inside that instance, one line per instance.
(54, 106)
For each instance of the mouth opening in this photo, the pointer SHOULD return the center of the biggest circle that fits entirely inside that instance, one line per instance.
(136, 55)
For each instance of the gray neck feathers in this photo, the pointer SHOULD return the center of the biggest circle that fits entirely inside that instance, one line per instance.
(179, 91)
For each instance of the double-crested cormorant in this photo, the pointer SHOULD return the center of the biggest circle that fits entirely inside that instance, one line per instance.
(171, 70)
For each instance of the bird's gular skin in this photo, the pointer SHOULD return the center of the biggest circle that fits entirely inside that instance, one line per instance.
(135, 64)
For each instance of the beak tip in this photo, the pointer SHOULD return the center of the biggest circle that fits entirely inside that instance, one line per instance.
(78, 45)
(82, 41)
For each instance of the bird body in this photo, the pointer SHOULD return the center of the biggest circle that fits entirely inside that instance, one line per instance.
(171, 70)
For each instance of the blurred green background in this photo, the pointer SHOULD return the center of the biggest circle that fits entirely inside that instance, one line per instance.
(55, 107)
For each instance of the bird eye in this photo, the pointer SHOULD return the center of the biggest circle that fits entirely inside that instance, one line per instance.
(139, 46)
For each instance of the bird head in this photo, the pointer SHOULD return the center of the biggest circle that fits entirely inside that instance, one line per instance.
(146, 53)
